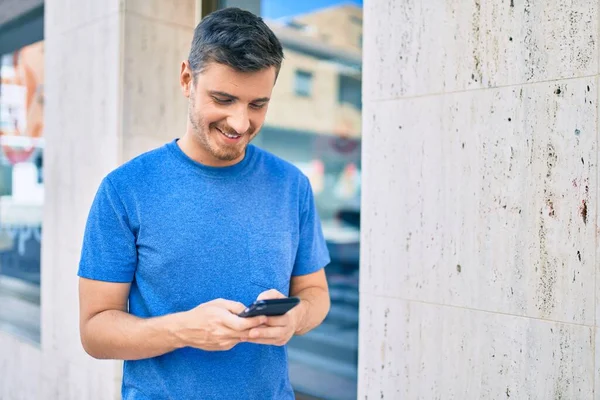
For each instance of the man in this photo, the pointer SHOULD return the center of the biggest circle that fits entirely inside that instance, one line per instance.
(180, 239)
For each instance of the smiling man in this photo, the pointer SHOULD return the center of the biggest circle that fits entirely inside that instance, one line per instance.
(180, 239)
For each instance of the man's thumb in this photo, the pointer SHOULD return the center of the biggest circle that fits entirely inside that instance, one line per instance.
(270, 294)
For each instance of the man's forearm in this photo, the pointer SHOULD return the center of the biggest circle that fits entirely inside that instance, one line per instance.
(115, 334)
(313, 308)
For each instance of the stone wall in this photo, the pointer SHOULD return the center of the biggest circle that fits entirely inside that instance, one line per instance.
(480, 160)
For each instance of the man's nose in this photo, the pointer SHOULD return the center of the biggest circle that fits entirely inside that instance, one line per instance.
(239, 121)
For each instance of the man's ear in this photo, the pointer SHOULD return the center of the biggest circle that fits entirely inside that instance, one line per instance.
(186, 79)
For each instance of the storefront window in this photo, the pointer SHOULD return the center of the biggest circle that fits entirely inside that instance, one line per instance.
(21, 188)
(314, 121)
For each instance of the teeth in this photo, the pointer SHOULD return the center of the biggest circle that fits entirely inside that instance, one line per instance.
(229, 135)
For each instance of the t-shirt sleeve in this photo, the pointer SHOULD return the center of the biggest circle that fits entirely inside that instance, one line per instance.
(109, 249)
(312, 254)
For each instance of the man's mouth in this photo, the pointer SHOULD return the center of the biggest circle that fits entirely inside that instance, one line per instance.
(230, 135)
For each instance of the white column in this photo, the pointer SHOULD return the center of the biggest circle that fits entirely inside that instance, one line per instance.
(112, 92)
(478, 256)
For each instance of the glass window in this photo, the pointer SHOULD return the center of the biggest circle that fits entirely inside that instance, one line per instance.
(303, 84)
(350, 91)
(21, 188)
(356, 19)
(321, 134)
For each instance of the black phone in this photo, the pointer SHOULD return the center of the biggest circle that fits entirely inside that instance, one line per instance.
(270, 308)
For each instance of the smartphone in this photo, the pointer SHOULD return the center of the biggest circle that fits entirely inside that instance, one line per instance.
(270, 308)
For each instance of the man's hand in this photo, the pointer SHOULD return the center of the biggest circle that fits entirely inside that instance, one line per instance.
(215, 325)
(276, 331)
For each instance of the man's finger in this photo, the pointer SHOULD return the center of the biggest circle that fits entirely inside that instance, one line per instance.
(266, 333)
(283, 320)
(232, 306)
(243, 324)
(270, 294)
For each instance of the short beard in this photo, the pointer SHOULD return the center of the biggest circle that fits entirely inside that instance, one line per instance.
(202, 136)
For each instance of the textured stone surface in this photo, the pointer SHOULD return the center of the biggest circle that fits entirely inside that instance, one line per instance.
(597, 193)
(82, 133)
(174, 12)
(62, 16)
(415, 47)
(597, 364)
(153, 104)
(82, 126)
(491, 204)
(20, 369)
(87, 379)
(480, 187)
(412, 350)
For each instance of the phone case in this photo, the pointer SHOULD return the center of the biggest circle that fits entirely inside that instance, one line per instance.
(271, 307)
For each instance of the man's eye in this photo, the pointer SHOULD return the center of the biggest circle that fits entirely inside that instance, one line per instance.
(222, 101)
(257, 106)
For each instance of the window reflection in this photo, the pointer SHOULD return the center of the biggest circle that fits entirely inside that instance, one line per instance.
(21, 188)
(314, 121)
(303, 84)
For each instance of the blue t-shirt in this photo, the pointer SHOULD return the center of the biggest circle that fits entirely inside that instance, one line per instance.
(182, 234)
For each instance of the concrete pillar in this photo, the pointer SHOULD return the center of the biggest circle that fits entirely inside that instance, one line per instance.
(112, 92)
(480, 188)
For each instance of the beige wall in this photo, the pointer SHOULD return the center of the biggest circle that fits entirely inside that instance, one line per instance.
(314, 113)
(109, 65)
(339, 26)
(332, 29)
(321, 112)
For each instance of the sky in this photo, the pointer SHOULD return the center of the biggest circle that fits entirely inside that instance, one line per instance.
(273, 9)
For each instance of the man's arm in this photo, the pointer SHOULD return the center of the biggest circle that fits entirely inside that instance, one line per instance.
(313, 308)
(314, 304)
(108, 331)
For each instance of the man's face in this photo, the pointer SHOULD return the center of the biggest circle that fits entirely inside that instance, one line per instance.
(226, 109)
